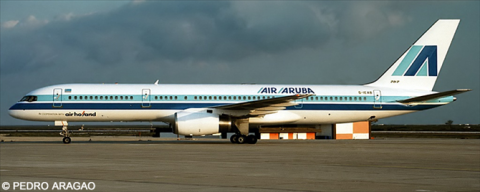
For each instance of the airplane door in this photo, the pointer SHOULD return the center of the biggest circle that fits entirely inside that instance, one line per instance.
(146, 98)
(57, 97)
(300, 103)
(377, 99)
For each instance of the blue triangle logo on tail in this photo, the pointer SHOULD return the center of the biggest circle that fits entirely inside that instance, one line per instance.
(419, 61)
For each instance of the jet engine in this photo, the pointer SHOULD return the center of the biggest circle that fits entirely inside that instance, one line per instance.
(201, 123)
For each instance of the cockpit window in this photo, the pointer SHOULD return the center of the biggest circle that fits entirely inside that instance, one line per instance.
(29, 98)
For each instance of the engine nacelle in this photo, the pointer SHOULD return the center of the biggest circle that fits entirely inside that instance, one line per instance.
(201, 123)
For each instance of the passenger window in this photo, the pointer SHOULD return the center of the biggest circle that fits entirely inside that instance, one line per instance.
(96, 97)
(116, 97)
(111, 97)
(131, 97)
(214, 97)
(69, 97)
(185, 98)
(195, 97)
(175, 97)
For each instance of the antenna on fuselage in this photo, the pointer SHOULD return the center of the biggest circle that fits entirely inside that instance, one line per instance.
(156, 82)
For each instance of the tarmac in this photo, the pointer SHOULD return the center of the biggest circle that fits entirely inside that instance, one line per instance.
(165, 164)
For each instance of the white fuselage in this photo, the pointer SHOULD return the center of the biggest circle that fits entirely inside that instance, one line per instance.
(157, 102)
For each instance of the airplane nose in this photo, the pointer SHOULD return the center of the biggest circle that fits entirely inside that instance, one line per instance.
(14, 112)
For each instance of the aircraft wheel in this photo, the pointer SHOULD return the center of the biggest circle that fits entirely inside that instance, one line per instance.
(234, 139)
(241, 139)
(67, 140)
(252, 139)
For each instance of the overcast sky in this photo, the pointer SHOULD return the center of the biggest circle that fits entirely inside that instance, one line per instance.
(277, 42)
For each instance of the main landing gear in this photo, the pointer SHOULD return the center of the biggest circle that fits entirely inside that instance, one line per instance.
(65, 134)
(241, 139)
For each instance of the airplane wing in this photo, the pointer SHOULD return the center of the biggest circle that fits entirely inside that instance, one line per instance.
(264, 106)
(433, 96)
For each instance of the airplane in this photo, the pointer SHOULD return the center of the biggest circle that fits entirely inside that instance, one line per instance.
(204, 109)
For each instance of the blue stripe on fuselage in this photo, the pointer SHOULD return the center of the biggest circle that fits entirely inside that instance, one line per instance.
(182, 106)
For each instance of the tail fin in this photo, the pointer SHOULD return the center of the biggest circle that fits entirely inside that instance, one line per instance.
(419, 66)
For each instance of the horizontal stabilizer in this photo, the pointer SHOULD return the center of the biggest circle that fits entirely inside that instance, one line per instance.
(433, 96)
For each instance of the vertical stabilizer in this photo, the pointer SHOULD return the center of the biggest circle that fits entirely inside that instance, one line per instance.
(420, 65)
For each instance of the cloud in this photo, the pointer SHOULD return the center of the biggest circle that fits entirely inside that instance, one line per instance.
(10, 24)
(32, 21)
(27, 23)
(364, 20)
(65, 17)
(178, 31)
